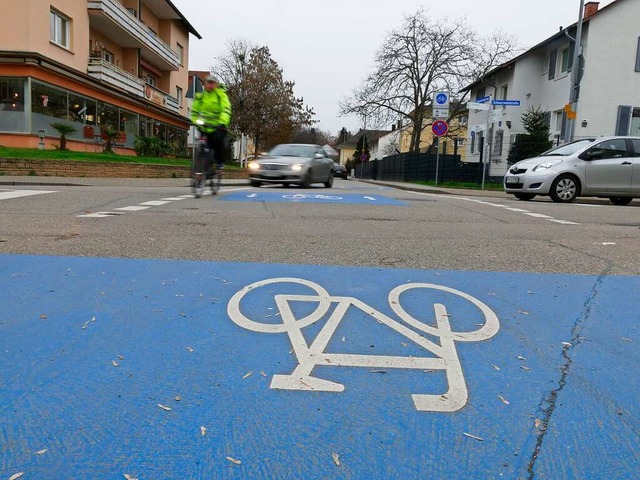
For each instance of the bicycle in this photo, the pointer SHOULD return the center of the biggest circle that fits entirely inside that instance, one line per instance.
(202, 175)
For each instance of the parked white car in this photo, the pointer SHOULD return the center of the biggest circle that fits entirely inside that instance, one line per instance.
(604, 167)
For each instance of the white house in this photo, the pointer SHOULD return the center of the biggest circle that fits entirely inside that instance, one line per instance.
(609, 95)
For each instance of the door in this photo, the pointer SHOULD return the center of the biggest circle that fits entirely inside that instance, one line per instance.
(635, 176)
(608, 168)
(321, 165)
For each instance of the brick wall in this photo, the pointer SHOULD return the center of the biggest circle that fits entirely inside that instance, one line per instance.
(72, 168)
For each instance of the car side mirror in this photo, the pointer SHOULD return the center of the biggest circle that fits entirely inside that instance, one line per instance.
(592, 155)
(318, 156)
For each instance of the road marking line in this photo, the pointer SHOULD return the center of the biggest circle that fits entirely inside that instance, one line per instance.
(134, 208)
(155, 203)
(22, 193)
(172, 199)
(506, 207)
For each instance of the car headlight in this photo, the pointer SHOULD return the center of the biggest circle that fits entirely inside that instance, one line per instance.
(254, 166)
(544, 166)
(297, 167)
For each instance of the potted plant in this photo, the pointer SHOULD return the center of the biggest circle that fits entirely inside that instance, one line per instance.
(63, 129)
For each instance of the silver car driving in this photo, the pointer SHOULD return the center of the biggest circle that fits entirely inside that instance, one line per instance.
(293, 163)
(604, 167)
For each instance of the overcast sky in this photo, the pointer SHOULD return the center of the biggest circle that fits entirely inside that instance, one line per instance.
(327, 47)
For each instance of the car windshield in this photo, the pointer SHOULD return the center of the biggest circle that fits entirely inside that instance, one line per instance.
(292, 151)
(567, 148)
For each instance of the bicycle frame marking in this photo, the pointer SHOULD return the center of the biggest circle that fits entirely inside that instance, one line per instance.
(310, 356)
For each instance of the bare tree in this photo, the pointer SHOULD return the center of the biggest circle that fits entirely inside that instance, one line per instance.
(264, 104)
(417, 60)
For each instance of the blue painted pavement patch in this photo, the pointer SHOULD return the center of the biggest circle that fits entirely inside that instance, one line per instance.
(162, 369)
(309, 197)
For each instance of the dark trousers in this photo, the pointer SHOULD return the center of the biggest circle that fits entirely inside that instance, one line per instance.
(217, 144)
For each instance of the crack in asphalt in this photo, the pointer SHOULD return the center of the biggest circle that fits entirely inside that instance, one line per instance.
(548, 404)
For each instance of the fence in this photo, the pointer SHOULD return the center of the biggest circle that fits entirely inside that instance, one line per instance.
(410, 167)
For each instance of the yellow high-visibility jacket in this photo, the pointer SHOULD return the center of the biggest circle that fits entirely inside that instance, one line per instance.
(213, 107)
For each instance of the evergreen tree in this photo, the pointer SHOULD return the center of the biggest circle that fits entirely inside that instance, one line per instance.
(534, 141)
(362, 150)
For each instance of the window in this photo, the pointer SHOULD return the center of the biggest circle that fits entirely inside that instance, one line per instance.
(480, 93)
(150, 80)
(638, 56)
(558, 114)
(565, 61)
(11, 95)
(616, 148)
(180, 54)
(497, 143)
(59, 26)
(108, 56)
(636, 147)
(553, 58)
(179, 95)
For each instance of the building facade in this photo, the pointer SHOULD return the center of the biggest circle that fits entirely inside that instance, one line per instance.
(540, 78)
(96, 65)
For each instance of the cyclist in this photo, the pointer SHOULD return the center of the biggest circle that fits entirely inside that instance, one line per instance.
(211, 113)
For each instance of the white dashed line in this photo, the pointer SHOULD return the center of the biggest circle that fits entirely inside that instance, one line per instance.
(155, 203)
(506, 207)
(133, 208)
(101, 214)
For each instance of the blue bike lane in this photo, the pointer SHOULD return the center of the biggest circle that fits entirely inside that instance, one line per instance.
(161, 369)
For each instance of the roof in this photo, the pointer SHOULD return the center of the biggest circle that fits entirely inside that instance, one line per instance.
(551, 39)
(372, 135)
(184, 20)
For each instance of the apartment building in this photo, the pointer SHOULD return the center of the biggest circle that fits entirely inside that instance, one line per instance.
(609, 93)
(94, 65)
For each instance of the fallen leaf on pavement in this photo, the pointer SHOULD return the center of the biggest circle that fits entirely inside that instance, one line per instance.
(233, 460)
(16, 475)
(164, 407)
(336, 459)
(504, 400)
(247, 375)
(203, 431)
(480, 439)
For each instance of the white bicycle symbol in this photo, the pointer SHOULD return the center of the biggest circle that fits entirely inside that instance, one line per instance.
(310, 356)
(302, 196)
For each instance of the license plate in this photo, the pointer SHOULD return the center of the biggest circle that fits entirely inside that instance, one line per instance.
(513, 180)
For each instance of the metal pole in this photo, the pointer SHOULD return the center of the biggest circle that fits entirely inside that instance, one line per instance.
(437, 158)
(575, 74)
(487, 150)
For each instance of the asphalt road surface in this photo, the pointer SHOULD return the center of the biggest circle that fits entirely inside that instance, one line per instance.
(357, 332)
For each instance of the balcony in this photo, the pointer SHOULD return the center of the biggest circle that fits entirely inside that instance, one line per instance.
(108, 73)
(112, 19)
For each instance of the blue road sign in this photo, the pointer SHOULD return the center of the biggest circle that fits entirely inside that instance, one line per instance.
(312, 197)
(508, 103)
(442, 99)
(179, 369)
(483, 99)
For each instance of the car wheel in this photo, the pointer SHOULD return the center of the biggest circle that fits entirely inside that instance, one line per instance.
(621, 200)
(306, 183)
(329, 182)
(564, 189)
(255, 183)
(524, 196)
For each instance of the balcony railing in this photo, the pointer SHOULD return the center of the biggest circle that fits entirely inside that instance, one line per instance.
(108, 73)
(158, 51)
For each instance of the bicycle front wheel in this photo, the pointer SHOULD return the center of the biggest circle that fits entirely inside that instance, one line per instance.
(215, 183)
(197, 185)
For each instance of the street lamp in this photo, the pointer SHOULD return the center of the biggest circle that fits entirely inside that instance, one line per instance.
(41, 134)
(575, 77)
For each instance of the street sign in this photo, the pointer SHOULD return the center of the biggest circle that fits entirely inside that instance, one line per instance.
(506, 103)
(440, 128)
(442, 100)
(483, 99)
(494, 115)
(477, 106)
(440, 113)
